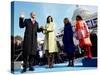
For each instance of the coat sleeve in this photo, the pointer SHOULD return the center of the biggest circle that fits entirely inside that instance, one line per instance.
(50, 28)
(39, 29)
(44, 29)
(86, 27)
(71, 31)
(22, 22)
(76, 26)
(86, 30)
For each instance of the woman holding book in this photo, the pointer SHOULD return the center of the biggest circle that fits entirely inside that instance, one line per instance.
(50, 41)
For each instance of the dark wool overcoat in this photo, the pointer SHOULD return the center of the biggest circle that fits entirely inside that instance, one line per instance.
(30, 36)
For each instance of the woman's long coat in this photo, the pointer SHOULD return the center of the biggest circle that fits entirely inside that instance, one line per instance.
(30, 36)
(50, 38)
(83, 34)
(68, 39)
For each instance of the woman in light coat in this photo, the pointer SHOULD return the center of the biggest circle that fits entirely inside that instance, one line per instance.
(50, 45)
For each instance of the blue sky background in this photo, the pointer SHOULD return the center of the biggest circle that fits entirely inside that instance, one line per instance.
(57, 11)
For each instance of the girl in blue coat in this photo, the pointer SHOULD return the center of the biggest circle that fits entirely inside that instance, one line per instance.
(69, 48)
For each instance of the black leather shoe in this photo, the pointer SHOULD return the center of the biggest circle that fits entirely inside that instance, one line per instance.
(31, 69)
(51, 67)
(69, 65)
(72, 64)
(24, 70)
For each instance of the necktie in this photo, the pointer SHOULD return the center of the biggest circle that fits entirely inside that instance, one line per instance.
(33, 21)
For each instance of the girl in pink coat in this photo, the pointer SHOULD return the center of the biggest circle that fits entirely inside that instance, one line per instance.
(83, 35)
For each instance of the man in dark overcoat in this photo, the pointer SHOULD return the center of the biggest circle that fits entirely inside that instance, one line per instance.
(30, 40)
